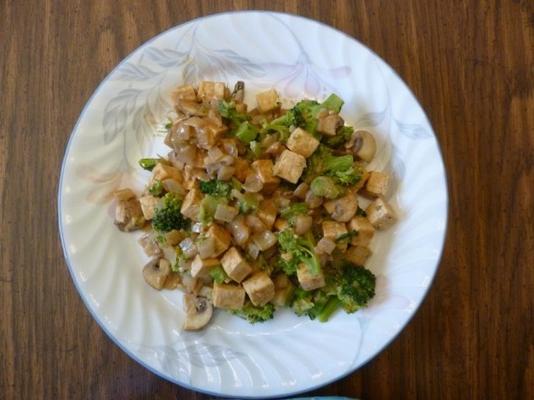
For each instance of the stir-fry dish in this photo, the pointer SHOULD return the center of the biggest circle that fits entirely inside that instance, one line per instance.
(254, 210)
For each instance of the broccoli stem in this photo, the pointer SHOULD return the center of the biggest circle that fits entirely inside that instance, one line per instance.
(330, 307)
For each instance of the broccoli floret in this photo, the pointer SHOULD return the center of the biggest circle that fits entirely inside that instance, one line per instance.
(355, 286)
(167, 215)
(302, 302)
(254, 313)
(285, 123)
(317, 304)
(218, 275)
(308, 110)
(216, 188)
(300, 250)
(228, 111)
(341, 168)
(156, 189)
(325, 186)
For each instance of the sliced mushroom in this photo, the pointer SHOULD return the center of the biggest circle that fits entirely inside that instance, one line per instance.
(150, 245)
(239, 91)
(198, 312)
(156, 272)
(128, 215)
(364, 145)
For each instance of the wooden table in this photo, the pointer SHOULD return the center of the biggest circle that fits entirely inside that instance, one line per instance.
(471, 65)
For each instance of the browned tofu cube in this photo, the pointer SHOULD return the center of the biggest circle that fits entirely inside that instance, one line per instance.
(358, 254)
(289, 166)
(221, 239)
(172, 238)
(260, 288)
(162, 171)
(186, 92)
(242, 169)
(229, 297)
(267, 101)
(235, 265)
(380, 214)
(343, 208)
(264, 170)
(283, 289)
(301, 142)
(208, 90)
(365, 231)
(329, 124)
(267, 213)
(309, 281)
(191, 204)
(148, 206)
(201, 267)
(377, 184)
(333, 230)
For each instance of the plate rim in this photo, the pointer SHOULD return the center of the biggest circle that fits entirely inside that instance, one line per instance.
(93, 313)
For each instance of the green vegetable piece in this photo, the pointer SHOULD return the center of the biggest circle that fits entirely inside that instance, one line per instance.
(356, 286)
(256, 149)
(302, 302)
(289, 213)
(148, 163)
(346, 237)
(361, 212)
(246, 132)
(229, 112)
(207, 208)
(300, 249)
(325, 186)
(254, 314)
(218, 275)
(216, 188)
(167, 215)
(333, 103)
(329, 308)
(341, 168)
(248, 203)
(156, 189)
(342, 136)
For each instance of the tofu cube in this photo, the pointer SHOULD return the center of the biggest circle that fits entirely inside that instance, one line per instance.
(242, 169)
(186, 92)
(329, 124)
(283, 289)
(343, 208)
(267, 101)
(235, 265)
(201, 267)
(148, 206)
(267, 213)
(191, 204)
(229, 297)
(221, 239)
(260, 288)
(380, 214)
(332, 230)
(281, 224)
(289, 166)
(365, 231)
(208, 90)
(264, 170)
(225, 213)
(358, 254)
(309, 281)
(377, 184)
(162, 171)
(301, 142)
(208, 137)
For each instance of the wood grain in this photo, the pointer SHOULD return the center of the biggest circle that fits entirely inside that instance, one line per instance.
(471, 64)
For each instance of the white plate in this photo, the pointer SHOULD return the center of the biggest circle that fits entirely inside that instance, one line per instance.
(119, 125)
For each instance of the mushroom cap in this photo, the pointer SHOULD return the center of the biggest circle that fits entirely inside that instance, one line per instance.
(198, 312)
(364, 145)
(156, 272)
